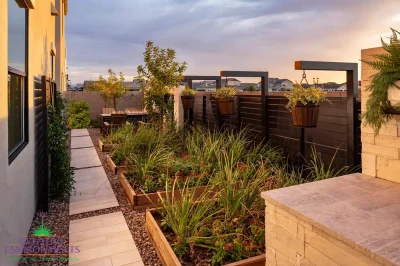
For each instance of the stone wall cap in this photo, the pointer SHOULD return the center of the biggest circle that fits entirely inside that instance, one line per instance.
(359, 210)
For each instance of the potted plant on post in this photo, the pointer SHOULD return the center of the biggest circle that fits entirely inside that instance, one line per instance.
(225, 97)
(382, 104)
(187, 97)
(303, 103)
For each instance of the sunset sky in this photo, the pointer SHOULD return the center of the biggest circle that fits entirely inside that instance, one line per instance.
(214, 35)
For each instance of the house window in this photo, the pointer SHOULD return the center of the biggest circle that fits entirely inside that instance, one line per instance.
(17, 90)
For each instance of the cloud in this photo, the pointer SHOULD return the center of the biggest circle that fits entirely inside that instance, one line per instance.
(212, 35)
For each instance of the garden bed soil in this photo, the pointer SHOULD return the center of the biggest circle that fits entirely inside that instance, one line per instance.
(141, 200)
(105, 147)
(161, 242)
(117, 169)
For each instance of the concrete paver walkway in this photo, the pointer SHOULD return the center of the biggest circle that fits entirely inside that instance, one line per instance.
(84, 158)
(79, 132)
(81, 142)
(103, 240)
(92, 191)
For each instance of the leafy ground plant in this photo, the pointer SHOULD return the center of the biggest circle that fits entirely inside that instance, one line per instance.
(62, 175)
(185, 214)
(78, 114)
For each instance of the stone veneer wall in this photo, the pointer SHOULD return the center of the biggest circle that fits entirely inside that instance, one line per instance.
(292, 241)
(132, 100)
(380, 153)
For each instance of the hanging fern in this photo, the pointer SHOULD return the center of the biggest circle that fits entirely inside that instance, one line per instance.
(388, 67)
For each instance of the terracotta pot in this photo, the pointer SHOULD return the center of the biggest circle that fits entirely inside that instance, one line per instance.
(187, 102)
(305, 115)
(226, 106)
(390, 110)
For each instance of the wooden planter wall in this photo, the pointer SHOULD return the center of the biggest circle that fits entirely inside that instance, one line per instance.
(116, 168)
(168, 256)
(105, 147)
(150, 200)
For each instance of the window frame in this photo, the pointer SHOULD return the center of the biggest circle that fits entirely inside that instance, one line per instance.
(15, 151)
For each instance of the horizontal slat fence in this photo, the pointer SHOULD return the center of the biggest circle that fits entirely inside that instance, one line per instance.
(329, 138)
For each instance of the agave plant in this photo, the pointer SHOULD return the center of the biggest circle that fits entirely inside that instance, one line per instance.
(388, 66)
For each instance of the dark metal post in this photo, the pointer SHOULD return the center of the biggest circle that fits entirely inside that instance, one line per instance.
(204, 109)
(352, 85)
(264, 99)
(302, 146)
(239, 116)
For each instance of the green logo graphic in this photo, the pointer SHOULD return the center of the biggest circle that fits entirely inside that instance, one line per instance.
(42, 230)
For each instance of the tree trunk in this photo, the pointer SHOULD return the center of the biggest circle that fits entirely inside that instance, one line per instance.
(115, 104)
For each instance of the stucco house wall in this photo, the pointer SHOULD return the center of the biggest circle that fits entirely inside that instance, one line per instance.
(17, 180)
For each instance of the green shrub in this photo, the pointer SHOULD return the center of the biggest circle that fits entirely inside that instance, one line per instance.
(78, 114)
(62, 181)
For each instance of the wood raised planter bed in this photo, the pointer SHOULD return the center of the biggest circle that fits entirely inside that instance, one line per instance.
(117, 169)
(105, 147)
(167, 255)
(148, 200)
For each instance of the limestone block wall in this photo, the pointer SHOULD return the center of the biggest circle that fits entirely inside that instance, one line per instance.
(380, 153)
(132, 100)
(292, 241)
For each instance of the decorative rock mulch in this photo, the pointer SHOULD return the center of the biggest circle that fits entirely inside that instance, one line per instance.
(57, 220)
(134, 219)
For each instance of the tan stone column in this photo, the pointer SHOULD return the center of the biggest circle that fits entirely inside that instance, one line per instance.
(380, 153)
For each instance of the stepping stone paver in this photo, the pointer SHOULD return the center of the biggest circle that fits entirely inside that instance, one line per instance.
(81, 142)
(79, 132)
(85, 157)
(92, 191)
(103, 240)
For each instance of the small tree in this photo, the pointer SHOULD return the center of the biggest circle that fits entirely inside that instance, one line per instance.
(111, 89)
(159, 74)
(252, 88)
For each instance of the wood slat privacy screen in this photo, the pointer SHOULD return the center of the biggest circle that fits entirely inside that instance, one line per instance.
(329, 137)
(43, 95)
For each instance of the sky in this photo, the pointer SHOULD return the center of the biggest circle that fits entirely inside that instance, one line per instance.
(215, 35)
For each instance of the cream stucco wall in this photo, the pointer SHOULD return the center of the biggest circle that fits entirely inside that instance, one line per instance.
(17, 180)
(380, 153)
(60, 70)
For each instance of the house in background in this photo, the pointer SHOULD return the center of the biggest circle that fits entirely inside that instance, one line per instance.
(276, 84)
(32, 45)
(211, 86)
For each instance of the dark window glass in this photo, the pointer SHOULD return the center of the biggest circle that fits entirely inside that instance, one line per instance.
(16, 36)
(17, 68)
(15, 111)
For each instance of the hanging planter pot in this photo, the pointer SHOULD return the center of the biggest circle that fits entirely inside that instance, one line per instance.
(305, 115)
(187, 102)
(225, 106)
(225, 98)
